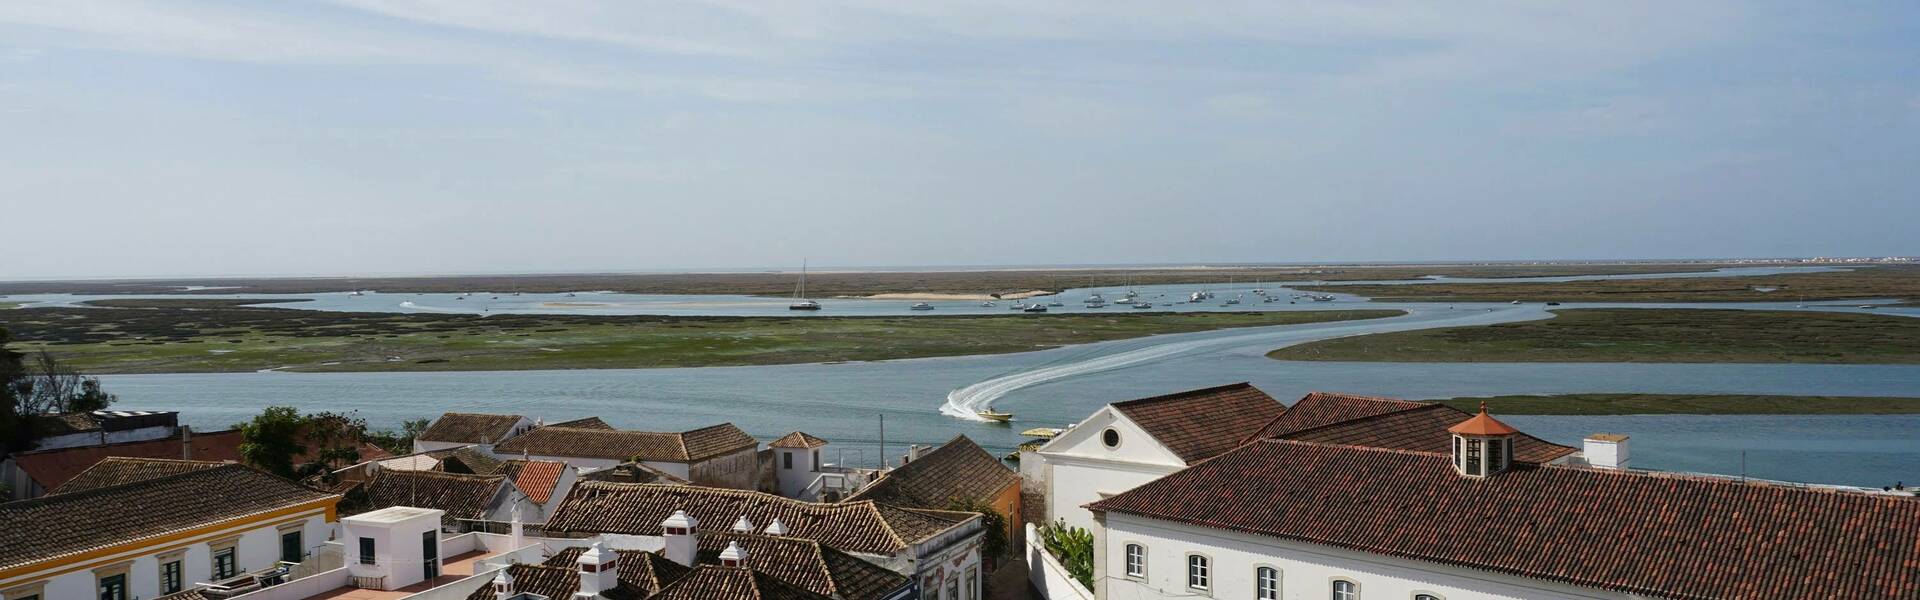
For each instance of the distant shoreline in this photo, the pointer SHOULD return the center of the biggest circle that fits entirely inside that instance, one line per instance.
(1687, 404)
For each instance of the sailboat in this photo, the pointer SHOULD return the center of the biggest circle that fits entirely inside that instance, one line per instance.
(800, 300)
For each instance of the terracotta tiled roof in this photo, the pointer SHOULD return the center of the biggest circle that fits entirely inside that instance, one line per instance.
(53, 526)
(1624, 531)
(692, 446)
(467, 459)
(535, 478)
(645, 571)
(717, 440)
(801, 562)
(797, 439)
(709, 582)
(1424, 429)
(116, 470)
(461, 496)
(1319, 409)
(958, 469)
(633, 472)
(52, 468)
(586, 423)
(638, 509)
(1482, 424)
(469, 428)
(192, 594)
(1199, 424)
(556, 583)
(48, 425)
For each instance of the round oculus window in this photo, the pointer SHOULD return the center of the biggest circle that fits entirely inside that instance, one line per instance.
(1111, 438)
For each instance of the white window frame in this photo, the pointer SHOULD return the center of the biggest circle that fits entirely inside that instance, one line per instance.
(1127, 562)
(1279, 583)
(1333, 588)
(1204, 573)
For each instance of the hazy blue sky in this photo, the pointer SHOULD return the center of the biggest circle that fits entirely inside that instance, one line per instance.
(364, 136)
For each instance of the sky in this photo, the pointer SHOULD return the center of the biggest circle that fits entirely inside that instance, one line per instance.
(345, 137)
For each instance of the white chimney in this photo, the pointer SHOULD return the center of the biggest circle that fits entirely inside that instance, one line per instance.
(599, 572)
(517, 535)
(743, 525)
(733, 556)
(1606, 451)
(682, 541)
(503, 584)
(776, 527)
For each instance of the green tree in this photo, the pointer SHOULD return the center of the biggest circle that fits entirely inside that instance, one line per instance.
(272, 439)
(16, 425)
(1073, 546)
(402, 442)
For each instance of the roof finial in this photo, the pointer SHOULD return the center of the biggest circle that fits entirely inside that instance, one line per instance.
(1483, 406)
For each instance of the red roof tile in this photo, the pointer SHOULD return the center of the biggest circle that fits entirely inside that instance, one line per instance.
(1625, 531)
(1422, 429)
(797, 439)
(638, 509)
(51, 468)
(1199, 424)
(1321, 408)
(1482, 424)
(535, 478)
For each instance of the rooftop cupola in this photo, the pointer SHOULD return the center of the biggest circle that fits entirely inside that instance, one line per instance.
(503, 585)
(733, 556)
(776, 527)
(1482, 445)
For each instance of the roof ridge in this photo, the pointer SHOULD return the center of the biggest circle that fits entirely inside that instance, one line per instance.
(1374, 416)
(1176, 395)
(69, 496)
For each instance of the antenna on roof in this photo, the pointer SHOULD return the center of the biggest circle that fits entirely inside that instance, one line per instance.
(883, 441)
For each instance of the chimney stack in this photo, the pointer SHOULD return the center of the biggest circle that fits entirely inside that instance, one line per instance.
(503, 584)
(1606, 450)
(681, 538)
(776, 527)
(599, 571)
(743, 525)
(733, 556)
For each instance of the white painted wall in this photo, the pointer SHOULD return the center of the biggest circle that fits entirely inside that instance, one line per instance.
(1047, 574)
(397, 551)
(1079, 467)
(1307, 570)
(794, 481)
(258, 549)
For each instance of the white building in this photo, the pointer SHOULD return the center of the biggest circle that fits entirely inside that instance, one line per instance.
(1126, 444)
(1473, 514)
(392, 548)
(796, 463)
(145, 537)
(453, 430)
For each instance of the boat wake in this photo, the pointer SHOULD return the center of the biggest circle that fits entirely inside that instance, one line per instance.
(963, 403)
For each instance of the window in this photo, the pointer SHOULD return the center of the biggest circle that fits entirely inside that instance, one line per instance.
(113, 587)
(224, 564)
(973, 584)
(816, 461)
(1199, 573)
(172, 577)
(291, 550)
(1136, 560)
(1111, 438)
(1473, 458)
(1345, 590)
(366, 550)
(1425, 597)
(786, 460)
(1266, 583)
(1496, 456)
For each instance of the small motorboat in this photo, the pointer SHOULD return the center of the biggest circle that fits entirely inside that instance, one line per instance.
(1143, 305)
(1514, 302)
(997, 417)
(1233, 300)
(1056, 304)
(1035, 308)
(804, 305)
(569, 294)
(1326, 298)
(1553, 304)
(356, 293)
(920, 306)
(1017, 306)
(1867, 306)
(988, 304)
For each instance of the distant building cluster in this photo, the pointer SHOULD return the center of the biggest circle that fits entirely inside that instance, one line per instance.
(1221, 492)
